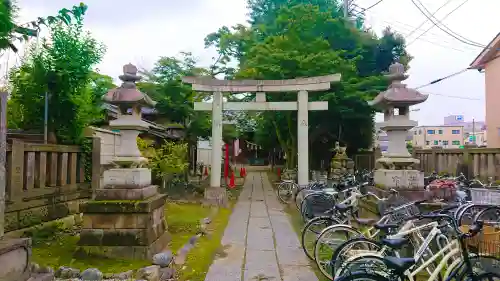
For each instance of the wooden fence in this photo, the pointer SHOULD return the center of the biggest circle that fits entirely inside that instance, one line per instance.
(474, 162)
(46, 182)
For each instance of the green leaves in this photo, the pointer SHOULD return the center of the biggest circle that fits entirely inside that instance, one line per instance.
(297, 38)
(167, 160)
(63, 68)
(174, 98)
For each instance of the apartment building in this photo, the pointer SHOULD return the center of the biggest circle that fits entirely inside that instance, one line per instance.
(442, 136)
(469, 126)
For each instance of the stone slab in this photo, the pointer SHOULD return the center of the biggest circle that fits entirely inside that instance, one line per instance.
(15, 259)
(124, 206)
(260, 231)
(261, 264)
(298, 273)
(126, 193)
(260, 239)
(127, 178)
(130, 252)
(399, 179)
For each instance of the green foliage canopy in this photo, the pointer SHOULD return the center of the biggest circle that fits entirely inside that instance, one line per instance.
(288, 40)
(62, 67)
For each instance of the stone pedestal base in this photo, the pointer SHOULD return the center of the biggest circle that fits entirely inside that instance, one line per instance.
(15, 255)
(126, 219)
(399, 179)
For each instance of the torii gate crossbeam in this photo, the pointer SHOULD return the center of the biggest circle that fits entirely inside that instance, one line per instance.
(302, 85)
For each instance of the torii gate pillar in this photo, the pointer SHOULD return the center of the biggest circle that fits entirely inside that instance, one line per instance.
(261, 87)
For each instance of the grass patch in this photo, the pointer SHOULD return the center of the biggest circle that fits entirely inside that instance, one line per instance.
(55, 246)
(201, 257)
(183, 220)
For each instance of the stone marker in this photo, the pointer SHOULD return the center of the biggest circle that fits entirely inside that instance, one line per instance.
(395, 169)
(126, 218)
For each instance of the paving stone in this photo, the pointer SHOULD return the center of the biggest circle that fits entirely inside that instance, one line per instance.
(259, 230)
(259, 223)
(291, 256)
(260, 239)
(261, 264)
(298, 273)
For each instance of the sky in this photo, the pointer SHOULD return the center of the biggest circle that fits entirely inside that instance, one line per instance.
(139, 32)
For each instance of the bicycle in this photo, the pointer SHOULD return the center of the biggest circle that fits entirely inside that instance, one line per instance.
(332, 216)
(395, 268)
(389, 244)
(328, 239)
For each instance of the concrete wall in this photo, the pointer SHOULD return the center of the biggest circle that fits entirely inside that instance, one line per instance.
(110, 143)
(492, 102)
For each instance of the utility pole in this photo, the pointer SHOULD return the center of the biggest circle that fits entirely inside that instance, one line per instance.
(473, 131)
(346, 8)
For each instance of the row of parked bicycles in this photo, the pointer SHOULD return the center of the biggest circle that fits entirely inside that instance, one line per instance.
(458, 240)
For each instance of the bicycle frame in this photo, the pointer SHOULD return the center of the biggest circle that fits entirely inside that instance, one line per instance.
(407, 230)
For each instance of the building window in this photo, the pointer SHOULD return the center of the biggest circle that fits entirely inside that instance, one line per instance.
(415, 133)
(455, 142)
(455, 132)
(435, 142)
(440, 132)
(445, 142)
(427, 142)
(420, 131)
(431, 132)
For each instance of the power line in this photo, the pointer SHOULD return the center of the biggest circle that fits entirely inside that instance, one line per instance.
(408, 28)
(425, 21)
(451, 33)
(404, 33)
(440, 21)
(451, 96)
(376, 3)
(443, 78)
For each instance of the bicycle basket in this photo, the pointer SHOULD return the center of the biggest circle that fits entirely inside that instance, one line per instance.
(317, 204)
(399, 209)
(485, 243)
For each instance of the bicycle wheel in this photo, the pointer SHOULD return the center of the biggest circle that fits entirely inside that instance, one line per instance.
(363, 276)
(298, 197)
(285, 191)
(488, 276)
(311, 232)
(328, 241)
(481, 264)
(353, 247)
(369, 262)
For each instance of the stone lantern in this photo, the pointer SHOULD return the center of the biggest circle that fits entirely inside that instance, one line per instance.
(126, 217)
(395, 169)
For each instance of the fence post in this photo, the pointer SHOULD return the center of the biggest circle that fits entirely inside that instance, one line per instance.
(16, 170)
(96, 163)
(434, 160)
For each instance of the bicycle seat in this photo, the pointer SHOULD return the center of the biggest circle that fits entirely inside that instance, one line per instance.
(343, 207)
(396, 243)
(385, 226)
(365, 222)
(399, 264)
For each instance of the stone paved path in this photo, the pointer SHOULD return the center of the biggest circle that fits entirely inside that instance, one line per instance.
(259, 242)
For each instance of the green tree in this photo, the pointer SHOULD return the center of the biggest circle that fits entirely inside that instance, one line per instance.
(62, 67)
(304, 40)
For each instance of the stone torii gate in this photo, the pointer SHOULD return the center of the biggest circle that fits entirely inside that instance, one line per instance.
(261, 87)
